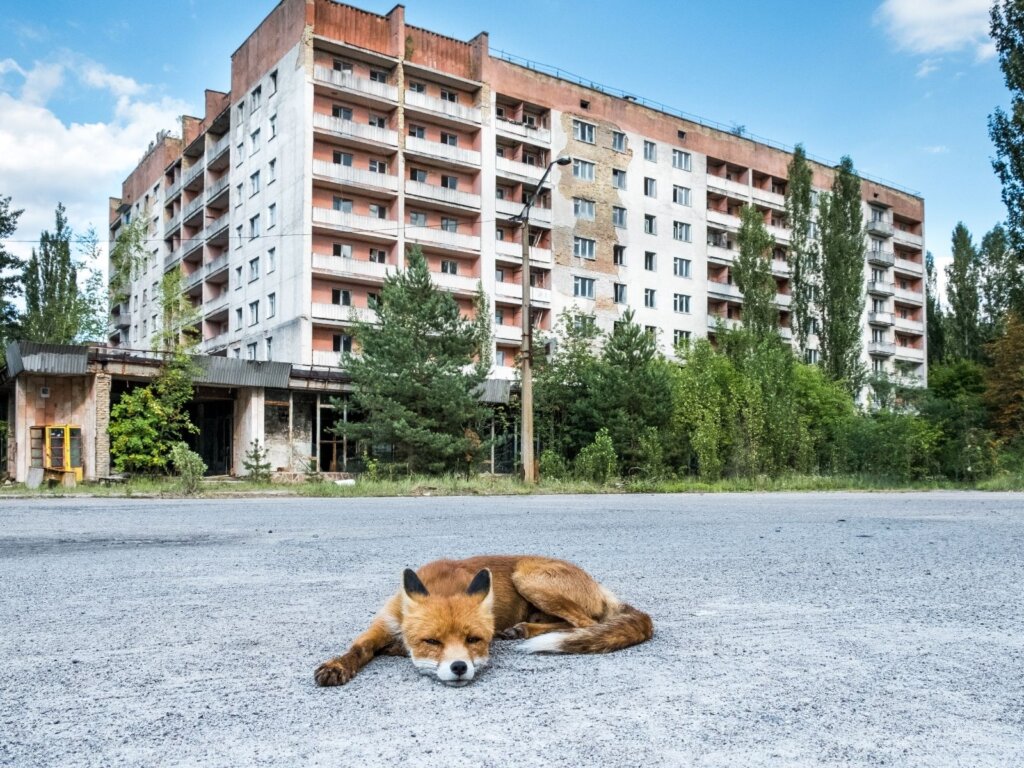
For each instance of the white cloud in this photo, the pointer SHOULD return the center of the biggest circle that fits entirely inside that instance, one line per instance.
(45, 159)
(936, 149)
(926, 67)
(938, 26)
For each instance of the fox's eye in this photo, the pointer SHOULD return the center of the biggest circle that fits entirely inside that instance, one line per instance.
(473, 639)
(431, 641)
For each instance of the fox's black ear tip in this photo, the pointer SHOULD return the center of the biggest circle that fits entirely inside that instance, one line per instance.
(412, 584)
(481, 583)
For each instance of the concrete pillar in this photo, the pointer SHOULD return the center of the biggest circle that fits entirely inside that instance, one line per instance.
(101, 400)
(249, 422)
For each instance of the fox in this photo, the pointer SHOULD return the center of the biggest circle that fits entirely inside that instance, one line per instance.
(445, 616)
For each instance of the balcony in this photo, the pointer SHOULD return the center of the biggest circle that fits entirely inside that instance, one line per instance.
(172, 258)
(327, 357)
(514, 250)
(523, 131)
(173, 223)
(346, 81)
(442, 194)
(908, 238)
(216, 267)
(431, 104)
(538, 215)
(723, 219)
(217, 226)
(909, 353)
(719, 255)
(881, 258)
(880, 318)
(216, 188)
(342, 314)
(194, 278)
(880, 287)
(728, 187)
(194, 173)
(909, 296)
(442, 237)
(216, 305)
(774, 199)
(173, 191)
(907, 325)
(508, 333)
(726, 291)
(780, 268)
(193, 244)
(370, 226)
(518, 171)
(347, 175)
(346, 267)
(366, 133)
(881, 348)
(783, 300)
(439, 151)
(909, 267)
(715, 320)
(455, 283)
(786, 332)
(781, 234)
(218, 148)
(509, 291)
(880, 227)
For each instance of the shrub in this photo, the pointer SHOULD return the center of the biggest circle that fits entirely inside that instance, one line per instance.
(190, 467)
(256, 464)
(553, 466)
(650, 455)
(597, 461)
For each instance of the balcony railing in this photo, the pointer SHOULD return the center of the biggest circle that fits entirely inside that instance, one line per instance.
(351, 82)
(442, 194)
(881, 287)
(908, 325)
(369, 225)
(724, 290)
(441, 151)
(192, 207)
(339, 313)
(515, 250)
(193, 243)
(217, 265)
(443, 237)
(908, 238)
(327, 357)
(194, 278)
(338, 265)
(217, 187)
(783, 300)
(216, 304)
(172, 258)
(728, 187)
(173, 190)
(882, 348)
(729, 323)
(217, 225)
(440, 106)
(173, 223)
(538, 214)
(909, 296)
(217, 148)
(347, 174)
(910, 267)
(356, 130)
(723, 219)
(909, 353)
(463, 283)
(518, 170)
(881, 258)
(880, 318)
(881, 227)
(508, 332)
(193, 172)
(522, 130)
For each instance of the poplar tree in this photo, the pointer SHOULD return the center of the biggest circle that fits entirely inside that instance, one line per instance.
(752, 271)
(52, 306)
(803, 251)
(1001, 280)
(10, 276)
(842, 235)
(963, 340)
(934, 317)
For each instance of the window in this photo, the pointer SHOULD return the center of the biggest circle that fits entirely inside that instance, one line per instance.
(343, 250)
(449, 182)
(254, 141)
(499, 316)
(650, 151)
(145, 296)
(254, 312)
(619, 255)
(273, 82)
(877, 334)
(619, 291)
(341, 342)
(418, 174)
(417, 219)
(240, 111)
(254, 227)
(681, 303)
(378, 166)
(417, 131)
(343, 113)
(583, 209)
(681, 231)
(499, 357)
(650, 187)
(581, 169)
(269, 344)
(681, 160)
(250, 351)
(583, 131)
(681, 195)
(451, 139)
(417, 87)
(373, 300)
(273, 125)
(449, 224)
(877, 305)
(341, 297)
(583, 287)
(238, 236)
(618, 178)
(811, 356)
(377, 121)
(499, 275)
(378, 256)
(680, 337)
(584, 248)
(378, 76)
(618, 141)
(256, 98)
(343, 158)
(238, 194)
(650, 261)
(342, 204)
(499, 233)
(254, 269)
(618, 216)
(271, 215)
(449, 267)
(680, 267)
(239, 153)
(450, 96)
(649, 297)
(238, 318)
(377, 211)
(877, 365)
(271, 260)
(238, 278)
(271, 304)
(254, 183)
(650, 224)
(272, 171)
(342, 66)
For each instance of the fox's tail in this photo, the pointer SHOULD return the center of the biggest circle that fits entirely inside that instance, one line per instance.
(626, 627)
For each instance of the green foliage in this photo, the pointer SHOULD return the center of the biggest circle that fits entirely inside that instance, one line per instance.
(1001, 280)
(553, 466)
(1004, 382)
(650, 455)
(963, 334)
(128, 257)
(255, 462)
(10, 277)
(890, 444)
(934, 317)
(189, 466)
(597, 461)
(842, 236)
(418, 373)
(752, 271)
(93, 309)
(52, 301)
(803, 251)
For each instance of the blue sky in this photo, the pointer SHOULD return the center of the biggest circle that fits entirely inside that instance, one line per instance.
(902, 86)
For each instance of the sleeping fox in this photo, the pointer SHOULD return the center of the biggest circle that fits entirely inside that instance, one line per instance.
(446, 614)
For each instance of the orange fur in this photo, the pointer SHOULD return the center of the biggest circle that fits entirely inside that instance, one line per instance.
(446, 615)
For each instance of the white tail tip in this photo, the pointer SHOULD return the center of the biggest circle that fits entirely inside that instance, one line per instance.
(547, 643)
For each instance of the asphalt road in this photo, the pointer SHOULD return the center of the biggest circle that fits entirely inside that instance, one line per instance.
(791, 629)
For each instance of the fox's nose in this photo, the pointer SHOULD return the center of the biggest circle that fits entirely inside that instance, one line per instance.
(459, 668)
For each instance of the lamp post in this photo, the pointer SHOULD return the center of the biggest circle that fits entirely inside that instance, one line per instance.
(526, 352)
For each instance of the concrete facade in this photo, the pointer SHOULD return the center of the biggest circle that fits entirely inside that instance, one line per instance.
(370, 135)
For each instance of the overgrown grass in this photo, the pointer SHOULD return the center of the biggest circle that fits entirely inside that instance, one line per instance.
(492, 485)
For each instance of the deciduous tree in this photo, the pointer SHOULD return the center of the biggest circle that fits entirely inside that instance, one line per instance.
(752, 271)
(803, 250)
(963, 339)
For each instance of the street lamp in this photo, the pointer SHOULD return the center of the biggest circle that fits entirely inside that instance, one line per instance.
(529, 473)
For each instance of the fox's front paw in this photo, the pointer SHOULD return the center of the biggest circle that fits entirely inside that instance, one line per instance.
(337, 671)
(515, 632)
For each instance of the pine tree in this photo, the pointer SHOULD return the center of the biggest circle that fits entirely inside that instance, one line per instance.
(52, 304)
(417, 374)
(963, 340)
(934, 317)
(752, 271)
(10, 276)
(803, 251)
(841, 224)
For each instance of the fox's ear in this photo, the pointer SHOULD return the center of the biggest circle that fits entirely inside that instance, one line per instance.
(412, 585)
(481, 584)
